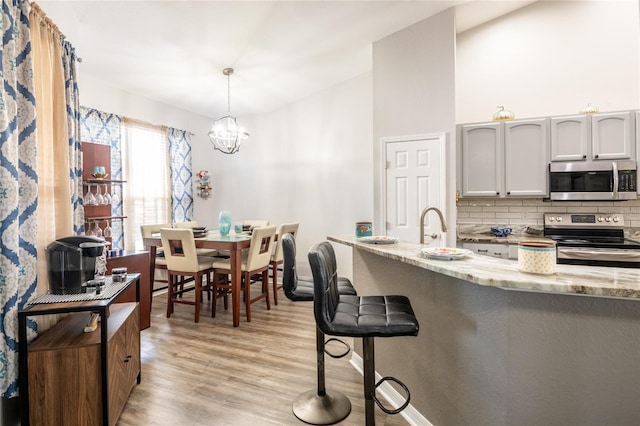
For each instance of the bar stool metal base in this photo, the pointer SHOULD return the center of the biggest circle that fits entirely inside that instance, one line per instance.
(324, 409)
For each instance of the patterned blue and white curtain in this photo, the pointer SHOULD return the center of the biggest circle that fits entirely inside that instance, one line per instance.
(73, 125)
(18, 183)
(104, 128)
(181, 175)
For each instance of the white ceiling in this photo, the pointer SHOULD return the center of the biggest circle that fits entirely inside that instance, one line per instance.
(173, 52)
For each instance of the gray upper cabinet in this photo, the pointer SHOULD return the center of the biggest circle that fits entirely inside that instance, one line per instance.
(482, 159)
(505, 159)
(602, 136)
(526, 149)
(613, 136)
(570, 137)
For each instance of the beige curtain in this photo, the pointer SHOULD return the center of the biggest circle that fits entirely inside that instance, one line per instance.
(146, 168)
(54, 212)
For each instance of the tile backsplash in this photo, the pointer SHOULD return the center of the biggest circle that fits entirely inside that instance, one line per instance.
(524, 213)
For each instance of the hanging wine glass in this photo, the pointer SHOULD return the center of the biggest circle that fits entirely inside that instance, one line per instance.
(98, 232)
(89, 199)
(106, 196)
(90, 231)
(99, 197)
(107, 230)
(115, 199)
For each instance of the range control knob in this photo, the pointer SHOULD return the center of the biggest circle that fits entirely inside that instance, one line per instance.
(552, 219)
(600, 219)
(615, 219)
(558, 218)
(607, 219)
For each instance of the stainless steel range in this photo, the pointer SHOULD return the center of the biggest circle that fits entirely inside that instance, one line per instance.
(595, 239)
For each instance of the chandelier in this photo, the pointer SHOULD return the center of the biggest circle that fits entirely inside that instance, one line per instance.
(225, 134)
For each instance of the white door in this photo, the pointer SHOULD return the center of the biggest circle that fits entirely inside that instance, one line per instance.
(415, 170)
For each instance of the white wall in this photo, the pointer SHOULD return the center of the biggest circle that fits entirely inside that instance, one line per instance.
(309, 162)
(414, 94)
(551, 58)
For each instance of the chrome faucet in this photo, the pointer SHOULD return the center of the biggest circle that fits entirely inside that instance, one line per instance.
(422, 216)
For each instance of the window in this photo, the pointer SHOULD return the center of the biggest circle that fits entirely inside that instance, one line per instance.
(146, 168)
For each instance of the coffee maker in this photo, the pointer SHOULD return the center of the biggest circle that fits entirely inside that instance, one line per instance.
(71, 262)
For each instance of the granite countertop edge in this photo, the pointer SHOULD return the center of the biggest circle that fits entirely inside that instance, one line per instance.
(503, 273)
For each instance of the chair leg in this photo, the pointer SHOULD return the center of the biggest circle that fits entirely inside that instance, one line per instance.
(275, 284)
(169, 295)
(247, 295)
(369, 380)
(319, 406)
(198, 284)
(208, 288)
(265, 287)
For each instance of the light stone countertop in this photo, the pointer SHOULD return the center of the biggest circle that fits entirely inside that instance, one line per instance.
(503, 273)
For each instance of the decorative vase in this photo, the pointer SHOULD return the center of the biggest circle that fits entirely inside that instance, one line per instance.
(224, 222)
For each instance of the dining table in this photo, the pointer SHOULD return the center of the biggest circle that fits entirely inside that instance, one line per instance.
(234, 243)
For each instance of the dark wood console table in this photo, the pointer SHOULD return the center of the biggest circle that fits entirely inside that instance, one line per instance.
(77, 377)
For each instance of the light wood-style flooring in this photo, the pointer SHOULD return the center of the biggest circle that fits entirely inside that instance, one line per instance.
(211, 373)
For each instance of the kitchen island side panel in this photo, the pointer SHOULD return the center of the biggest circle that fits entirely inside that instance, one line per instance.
(488, 356)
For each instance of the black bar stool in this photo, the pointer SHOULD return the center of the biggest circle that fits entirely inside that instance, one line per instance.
(316, 406)
(359, 316)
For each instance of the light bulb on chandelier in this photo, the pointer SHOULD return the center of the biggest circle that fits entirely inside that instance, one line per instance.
(225, 134)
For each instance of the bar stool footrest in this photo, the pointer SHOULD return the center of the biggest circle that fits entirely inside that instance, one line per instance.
(326, 409)
(339, 355)
(399, 383)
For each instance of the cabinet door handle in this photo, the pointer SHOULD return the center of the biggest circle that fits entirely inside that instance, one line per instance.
(508, 192)
(497, 192)
(596, 156)
(585, 156)
(483, 251)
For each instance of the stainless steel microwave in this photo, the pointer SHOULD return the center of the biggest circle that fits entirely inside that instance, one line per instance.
(593, 181)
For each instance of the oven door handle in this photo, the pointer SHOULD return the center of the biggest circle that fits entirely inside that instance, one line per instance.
(615, 180)
(600, 253)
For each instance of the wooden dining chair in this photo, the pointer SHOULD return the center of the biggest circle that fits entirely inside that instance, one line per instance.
(277, 257)
(255, 268)
(147, 231)
(182, 260)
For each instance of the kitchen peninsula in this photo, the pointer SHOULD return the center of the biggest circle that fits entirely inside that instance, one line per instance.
(543, 354)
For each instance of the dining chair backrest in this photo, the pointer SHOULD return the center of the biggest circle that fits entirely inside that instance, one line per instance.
(188, 224)
(147, 231)
(179, 249)
(255, 223)
(259, 254)
(285, 228)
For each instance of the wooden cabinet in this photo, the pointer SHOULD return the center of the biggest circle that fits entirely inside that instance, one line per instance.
(613, 136)
(526, 148)
(135, 262)
(482, 160)
(507, 159)
(69, 377)
(602, 136)
(570, 138)
(488, 249)
(65, 385)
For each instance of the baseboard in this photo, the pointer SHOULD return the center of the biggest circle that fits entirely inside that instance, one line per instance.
(410, 414)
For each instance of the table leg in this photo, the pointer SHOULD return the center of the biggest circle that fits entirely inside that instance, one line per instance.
(236, 272)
